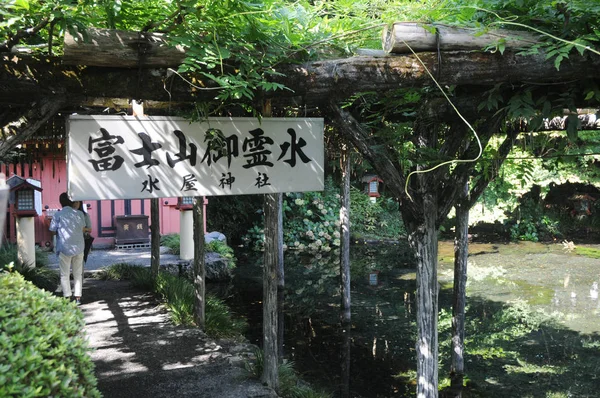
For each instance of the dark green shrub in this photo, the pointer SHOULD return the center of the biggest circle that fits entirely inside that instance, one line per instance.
(43, 351)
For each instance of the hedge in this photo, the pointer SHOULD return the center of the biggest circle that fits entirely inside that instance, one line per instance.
(43, 349)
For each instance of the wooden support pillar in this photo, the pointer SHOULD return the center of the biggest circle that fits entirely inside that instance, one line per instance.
(273, 248)
(345, 236)
(199, 266)
(154, 238)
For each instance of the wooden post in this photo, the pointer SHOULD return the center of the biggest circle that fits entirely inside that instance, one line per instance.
(154, 238)
(459, 297)
(345, 236)
(345, 270)
(273, 246)
(199, 268)
(422, 237)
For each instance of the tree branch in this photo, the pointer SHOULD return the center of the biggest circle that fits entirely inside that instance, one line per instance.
(21, 129)
(22, 34)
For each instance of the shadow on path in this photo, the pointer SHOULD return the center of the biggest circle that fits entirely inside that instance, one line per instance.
(139, 353)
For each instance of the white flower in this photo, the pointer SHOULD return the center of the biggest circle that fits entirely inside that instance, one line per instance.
(321, 233)
(296, 243)
(309, 212)
(324, 211)
(318, 242)
(336, 234)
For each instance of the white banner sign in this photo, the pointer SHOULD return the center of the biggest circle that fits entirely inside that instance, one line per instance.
(129, 157)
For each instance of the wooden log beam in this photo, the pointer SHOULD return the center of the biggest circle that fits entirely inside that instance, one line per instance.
(23, 78)
(401, 37)
(121, 49)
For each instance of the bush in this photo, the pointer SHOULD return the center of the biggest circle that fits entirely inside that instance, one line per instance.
(40, 275)
(223, 250)
(43, 351)
(172, 242)
(311, 220)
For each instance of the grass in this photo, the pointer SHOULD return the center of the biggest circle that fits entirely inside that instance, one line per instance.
(587, 252)
(178, 297)
(290, 385)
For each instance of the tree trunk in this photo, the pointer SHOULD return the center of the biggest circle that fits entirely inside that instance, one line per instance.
(422, 237)
(404, 36)
(24, 127)
(345, 236)
(154, 238)
(122, 49)
(199, 268)
(273, 246)
(459, 298)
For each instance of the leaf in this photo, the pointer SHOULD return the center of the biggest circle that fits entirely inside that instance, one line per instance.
(589, 95)
(557, 61)
(24, 4)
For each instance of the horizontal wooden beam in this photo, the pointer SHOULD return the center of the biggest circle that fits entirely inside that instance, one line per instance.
(120, 49)
(23, 78)
(402, 37)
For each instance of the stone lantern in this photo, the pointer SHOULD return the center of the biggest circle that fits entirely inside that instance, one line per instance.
(22, 199)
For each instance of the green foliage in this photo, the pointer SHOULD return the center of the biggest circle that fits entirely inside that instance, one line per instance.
(379, 220)
(172, 242)
(178, 296)
(43, 350)
(532, 224)
(39, 274)
(290, 385)
(311, 220)
(223, 250)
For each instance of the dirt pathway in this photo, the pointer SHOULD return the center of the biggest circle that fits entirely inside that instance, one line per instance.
(138, 353)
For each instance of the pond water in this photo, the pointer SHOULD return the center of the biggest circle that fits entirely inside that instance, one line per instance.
(375, 356)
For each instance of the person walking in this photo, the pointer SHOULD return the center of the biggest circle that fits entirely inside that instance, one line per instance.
(68, 224)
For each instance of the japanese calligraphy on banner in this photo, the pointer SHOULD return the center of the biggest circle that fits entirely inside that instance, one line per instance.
(129, 157)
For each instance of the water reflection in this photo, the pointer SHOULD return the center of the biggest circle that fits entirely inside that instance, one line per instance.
(374, 356)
